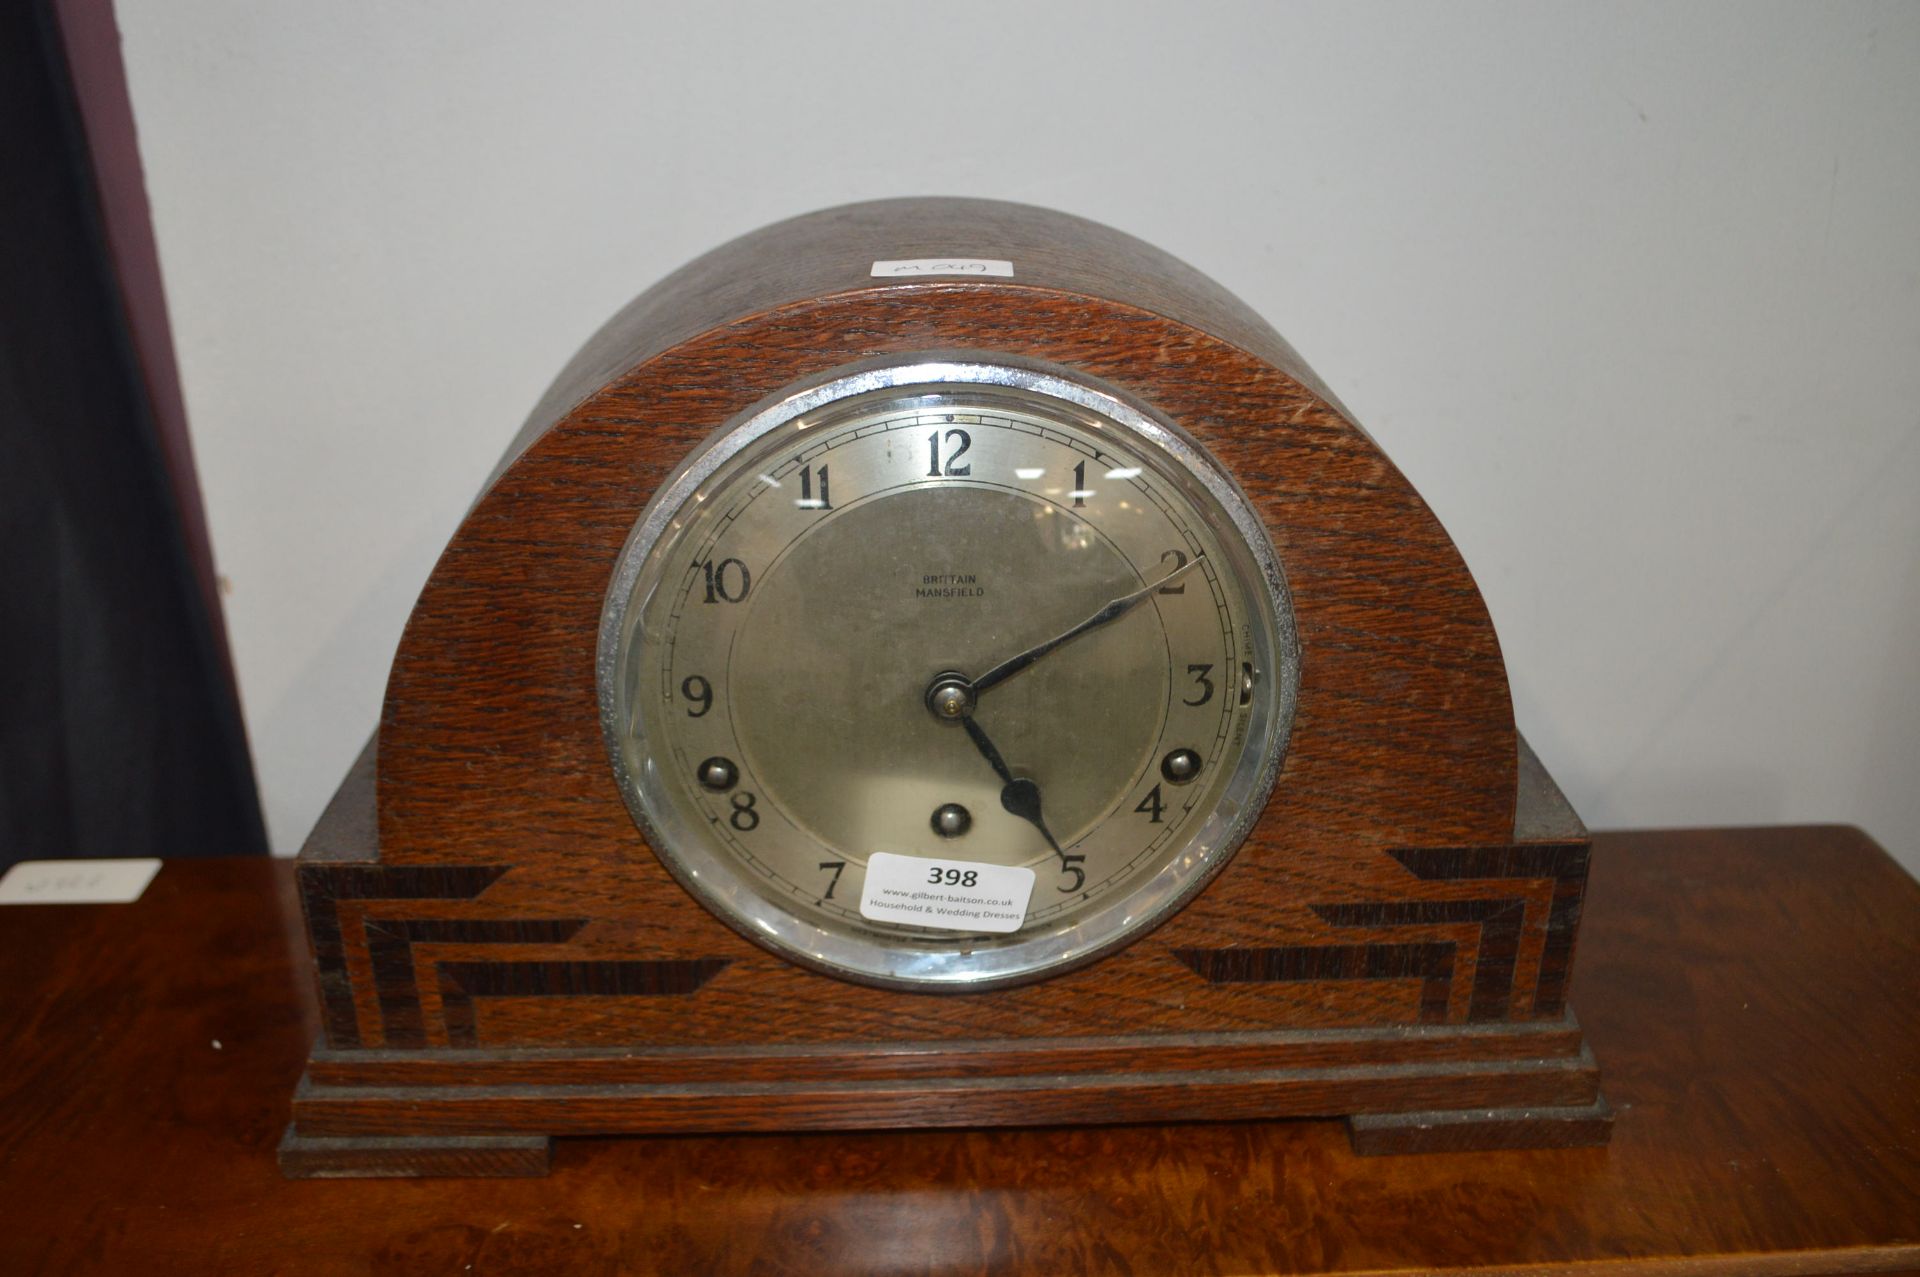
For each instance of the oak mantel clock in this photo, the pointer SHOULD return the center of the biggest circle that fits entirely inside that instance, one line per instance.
(940, 663)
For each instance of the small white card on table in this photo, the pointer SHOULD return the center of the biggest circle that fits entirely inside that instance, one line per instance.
(77, 882)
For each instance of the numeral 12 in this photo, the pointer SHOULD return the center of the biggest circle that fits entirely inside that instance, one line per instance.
(959, 441)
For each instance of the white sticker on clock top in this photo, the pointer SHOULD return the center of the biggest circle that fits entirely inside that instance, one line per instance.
(910, 267)
(958, 895)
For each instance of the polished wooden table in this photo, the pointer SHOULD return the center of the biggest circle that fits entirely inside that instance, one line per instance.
(1752, 996)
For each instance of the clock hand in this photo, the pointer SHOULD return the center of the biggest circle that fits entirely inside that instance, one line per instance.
(1022, 799)
(1019, 797)
(978, 736)
(952, 697)
(1112, 611)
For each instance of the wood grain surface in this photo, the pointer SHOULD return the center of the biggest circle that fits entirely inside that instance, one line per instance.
(1751, 991)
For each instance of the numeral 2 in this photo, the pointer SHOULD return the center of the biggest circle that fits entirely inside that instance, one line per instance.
(1179, 558)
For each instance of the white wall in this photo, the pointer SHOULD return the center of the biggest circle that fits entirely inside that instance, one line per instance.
(1632, 293)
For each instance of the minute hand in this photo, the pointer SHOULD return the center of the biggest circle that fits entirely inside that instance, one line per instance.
(1112, 611)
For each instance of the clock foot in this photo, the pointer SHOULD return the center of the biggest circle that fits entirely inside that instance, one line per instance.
(1478, 1130)
(412, 1157)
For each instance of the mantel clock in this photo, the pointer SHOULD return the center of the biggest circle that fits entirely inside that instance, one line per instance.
(940, 663)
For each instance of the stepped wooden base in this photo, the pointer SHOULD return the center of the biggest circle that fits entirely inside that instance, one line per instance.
(1481, 1130)
(455, 1112)
(429, 1157)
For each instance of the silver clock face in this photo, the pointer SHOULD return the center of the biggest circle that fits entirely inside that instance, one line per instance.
(947, 675)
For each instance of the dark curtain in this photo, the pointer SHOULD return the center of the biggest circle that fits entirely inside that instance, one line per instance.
(119, 735)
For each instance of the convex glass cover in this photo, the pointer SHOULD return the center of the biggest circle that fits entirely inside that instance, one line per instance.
(948, 674)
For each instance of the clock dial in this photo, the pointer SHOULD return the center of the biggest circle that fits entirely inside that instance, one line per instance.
(964, 618)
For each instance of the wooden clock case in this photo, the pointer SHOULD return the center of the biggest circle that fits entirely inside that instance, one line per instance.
(501, 958)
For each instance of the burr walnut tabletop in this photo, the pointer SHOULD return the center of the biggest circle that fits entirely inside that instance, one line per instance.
(1751, 995)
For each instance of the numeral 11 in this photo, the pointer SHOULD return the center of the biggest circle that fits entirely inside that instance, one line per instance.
(807, 500)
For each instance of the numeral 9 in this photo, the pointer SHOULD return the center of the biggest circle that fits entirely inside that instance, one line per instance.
(700, 692)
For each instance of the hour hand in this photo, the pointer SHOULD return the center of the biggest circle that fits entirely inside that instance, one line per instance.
(1020, 797)
(978, 736)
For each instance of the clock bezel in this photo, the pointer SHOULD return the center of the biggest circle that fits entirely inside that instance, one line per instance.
(905, 963)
